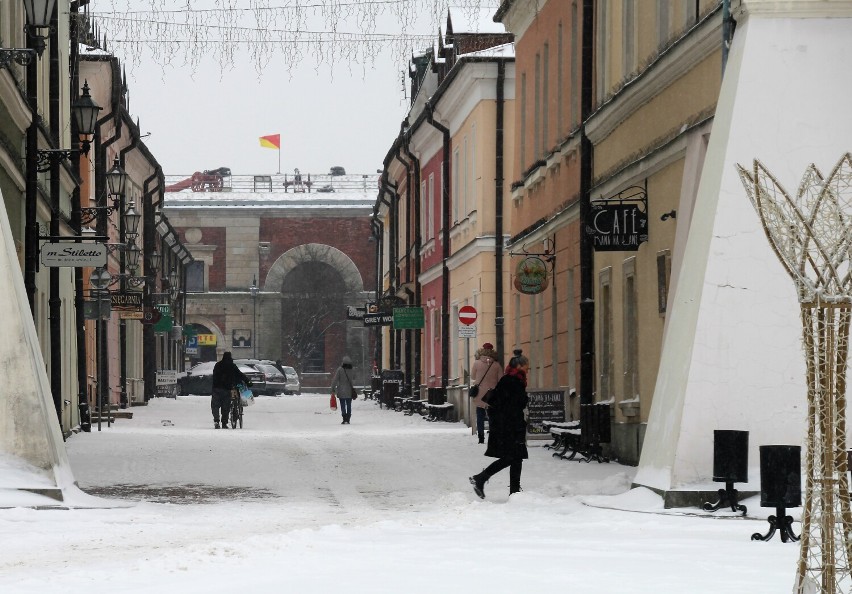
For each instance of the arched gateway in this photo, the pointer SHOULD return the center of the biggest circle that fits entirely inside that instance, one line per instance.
(306, 255)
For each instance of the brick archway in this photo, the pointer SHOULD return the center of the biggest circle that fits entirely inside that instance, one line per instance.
(314, 252)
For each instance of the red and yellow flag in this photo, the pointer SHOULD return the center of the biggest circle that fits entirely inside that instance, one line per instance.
(272, 141)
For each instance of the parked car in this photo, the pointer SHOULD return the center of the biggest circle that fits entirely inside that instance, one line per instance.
(294, 386)
(276, 382)
(199, 379)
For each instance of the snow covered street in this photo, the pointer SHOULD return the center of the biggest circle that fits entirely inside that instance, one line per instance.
(297, 502)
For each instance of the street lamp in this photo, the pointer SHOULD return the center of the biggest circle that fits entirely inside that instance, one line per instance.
(253, 289)
(100, 279)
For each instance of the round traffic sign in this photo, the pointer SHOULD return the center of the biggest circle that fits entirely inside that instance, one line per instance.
(467, 315)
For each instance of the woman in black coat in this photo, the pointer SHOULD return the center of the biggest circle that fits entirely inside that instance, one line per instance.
(507, 427)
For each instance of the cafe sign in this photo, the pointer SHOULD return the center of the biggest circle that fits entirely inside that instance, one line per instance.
(617, 227)
(531, 276)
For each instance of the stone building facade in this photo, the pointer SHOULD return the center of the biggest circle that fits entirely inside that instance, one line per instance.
(307, 254)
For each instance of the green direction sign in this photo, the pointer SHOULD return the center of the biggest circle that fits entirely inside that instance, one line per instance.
(165, 322)
(408, 318)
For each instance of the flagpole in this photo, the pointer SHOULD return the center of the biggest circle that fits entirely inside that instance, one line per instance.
(279, 160)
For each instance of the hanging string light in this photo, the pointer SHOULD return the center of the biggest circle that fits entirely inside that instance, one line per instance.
(280, 32)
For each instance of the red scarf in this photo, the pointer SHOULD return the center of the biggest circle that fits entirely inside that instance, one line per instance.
(518, 373)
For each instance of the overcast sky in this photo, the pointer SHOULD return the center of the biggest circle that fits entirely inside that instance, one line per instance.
(205, 117)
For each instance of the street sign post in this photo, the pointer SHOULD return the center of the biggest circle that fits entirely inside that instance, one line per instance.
(467, 315)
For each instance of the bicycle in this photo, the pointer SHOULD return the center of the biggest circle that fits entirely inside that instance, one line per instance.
(236, 408)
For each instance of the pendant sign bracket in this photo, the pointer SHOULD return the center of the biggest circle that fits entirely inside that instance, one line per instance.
(619, 223)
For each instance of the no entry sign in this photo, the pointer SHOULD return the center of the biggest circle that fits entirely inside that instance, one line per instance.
(467, 315)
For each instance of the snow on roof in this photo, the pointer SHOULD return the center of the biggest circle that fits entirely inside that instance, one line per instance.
(507, 50)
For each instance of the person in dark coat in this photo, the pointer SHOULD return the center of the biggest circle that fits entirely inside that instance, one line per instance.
(507, 426)
(343, 388)
(226, 376)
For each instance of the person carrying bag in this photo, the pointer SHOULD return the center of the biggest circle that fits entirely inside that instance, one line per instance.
(486, 372)
(342, 387)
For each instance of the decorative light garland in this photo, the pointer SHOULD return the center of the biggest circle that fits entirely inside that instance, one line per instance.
(288, 31)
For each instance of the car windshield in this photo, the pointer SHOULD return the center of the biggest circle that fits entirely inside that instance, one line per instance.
(269, 369)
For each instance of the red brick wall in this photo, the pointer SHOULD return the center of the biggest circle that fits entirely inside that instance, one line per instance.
(349, 235)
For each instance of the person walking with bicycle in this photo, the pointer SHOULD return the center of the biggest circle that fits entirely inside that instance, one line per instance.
(344, 389)
(226, 376)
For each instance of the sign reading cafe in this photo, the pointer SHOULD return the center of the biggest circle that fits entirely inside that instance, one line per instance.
(617, 227)
(619, 223)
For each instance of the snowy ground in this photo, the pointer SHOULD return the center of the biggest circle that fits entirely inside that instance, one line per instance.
(296, 502)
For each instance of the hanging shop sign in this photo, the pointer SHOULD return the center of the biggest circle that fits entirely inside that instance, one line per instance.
(126, 301)
(56, 255)
(531, 276)
(355, 313)
(619, 223)
(408, 318)
(164, 324)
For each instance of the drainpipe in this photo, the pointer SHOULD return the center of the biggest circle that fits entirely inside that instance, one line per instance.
(587, 256)
(54, 302)
(149, 339)
(378, 233)
(445, 253)
(408, 199)
(77, 226)
(122, 324)
(393, 272)
(102, 329)
(414, 213)
(499, 319)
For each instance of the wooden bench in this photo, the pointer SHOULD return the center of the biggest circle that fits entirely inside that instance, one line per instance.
(594, 429)
(438, 412)
(560, 432)
(414, 405)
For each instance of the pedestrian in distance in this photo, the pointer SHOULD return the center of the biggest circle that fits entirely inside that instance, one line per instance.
(226, 376)
(484, 375)
(507, 426)
(343, 388)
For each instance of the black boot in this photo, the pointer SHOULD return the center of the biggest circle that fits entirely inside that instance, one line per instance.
(514, 489)
(481, 438)
(478, 486)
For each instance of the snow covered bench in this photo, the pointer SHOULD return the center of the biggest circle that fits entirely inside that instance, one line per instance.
(561, 432)
(439, 412)
(586, 439)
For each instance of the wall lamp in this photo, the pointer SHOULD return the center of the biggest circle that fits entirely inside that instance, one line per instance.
(672, 214)
(85, 113)
(116, 183)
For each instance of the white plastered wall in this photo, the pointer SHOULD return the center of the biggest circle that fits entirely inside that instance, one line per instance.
(732, 356)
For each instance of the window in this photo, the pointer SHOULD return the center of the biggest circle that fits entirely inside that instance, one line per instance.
(574, 91)
(431, 225)
(523, 151)
(560, 64)
(424, 212)
(631, 330)
(472, 204)
(662, 23)
(629, 30)
(545, 100)
(691, 12)
(466, 184)
(195, 277)
(664, 274)
(602, 44)
(456, 194)
(606, 347)
(537, 109)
